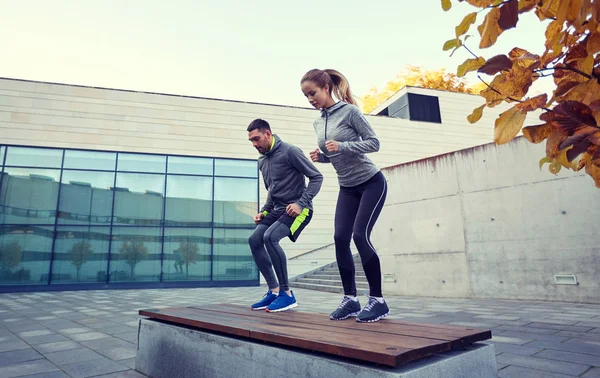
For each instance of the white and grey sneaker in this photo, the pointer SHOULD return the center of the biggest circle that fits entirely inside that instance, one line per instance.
(373, 311)
(346, 309)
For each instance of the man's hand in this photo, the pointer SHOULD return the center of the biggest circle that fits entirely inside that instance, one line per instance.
(314, 155)
(293, 210)
(332, 146)
(258, 217)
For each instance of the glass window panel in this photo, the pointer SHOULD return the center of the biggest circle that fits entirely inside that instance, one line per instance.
(187, 254)
(189, 201)
(90, 160)
(86, 198)
(142, 163)
(25, 254)
(135, 254)
(139, 199)
(28, 196)
(190, 165)
(2, 148)
(34, 157)
(232, 258)
(236, 202)
(241, 168)
(80, 254)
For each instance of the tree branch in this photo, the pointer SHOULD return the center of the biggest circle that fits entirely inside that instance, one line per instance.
(567, 69)
(472, 53)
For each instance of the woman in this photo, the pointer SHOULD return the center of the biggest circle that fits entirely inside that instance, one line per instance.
(344, 137)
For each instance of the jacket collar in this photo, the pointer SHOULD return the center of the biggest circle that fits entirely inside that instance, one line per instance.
(330, 110)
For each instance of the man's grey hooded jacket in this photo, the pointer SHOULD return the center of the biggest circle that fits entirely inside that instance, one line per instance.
(284, 168)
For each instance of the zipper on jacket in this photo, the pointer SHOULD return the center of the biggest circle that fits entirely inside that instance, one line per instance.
(326, 118)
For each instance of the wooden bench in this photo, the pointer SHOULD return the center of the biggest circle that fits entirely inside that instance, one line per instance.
(387, 343)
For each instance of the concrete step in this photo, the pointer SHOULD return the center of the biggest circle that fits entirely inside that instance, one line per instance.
(334, 277)
(328, 288)
(333, 282)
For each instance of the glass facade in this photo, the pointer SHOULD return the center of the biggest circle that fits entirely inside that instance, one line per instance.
(99, 219)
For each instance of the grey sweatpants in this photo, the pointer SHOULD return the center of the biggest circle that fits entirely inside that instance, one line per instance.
(273, 255)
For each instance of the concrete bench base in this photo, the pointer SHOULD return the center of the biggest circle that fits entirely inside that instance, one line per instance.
(167, 351)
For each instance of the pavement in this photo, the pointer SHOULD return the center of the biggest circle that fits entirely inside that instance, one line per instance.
(94, 333)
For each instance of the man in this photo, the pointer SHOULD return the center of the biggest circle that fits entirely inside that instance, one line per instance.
(287, 211)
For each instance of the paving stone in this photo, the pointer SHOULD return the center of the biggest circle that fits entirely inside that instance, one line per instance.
(27, 368)
(560, 327)
(16, 356)
(510, 340)
(527, 329)
(13, 343)
(515, 349)
(54, 374)
(73, 355)
(57, 347)
(581, 358)
(574, 347)
(93, 368)
(543, 364)
(89, 336)
(534, 336)
(123, 374)
(52, 338)
(592, 373)
(521, 372)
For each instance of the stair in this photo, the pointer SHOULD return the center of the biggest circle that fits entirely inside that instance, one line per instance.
(327, 278)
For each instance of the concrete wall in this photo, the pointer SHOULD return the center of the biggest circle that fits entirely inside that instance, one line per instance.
(56, 115)
(486, 222)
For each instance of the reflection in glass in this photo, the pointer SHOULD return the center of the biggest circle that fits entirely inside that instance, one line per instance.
(28, 196)
(25, 254)
(232, 258)
(135, 254)
(189, 201)
(90, 160)
(34, 157)
(139, 199)
(80, 254)
(235, 202)
(2, 148)
(187, 254)
(240, 168)
(190, 165)
(142, 163)
(86, 198)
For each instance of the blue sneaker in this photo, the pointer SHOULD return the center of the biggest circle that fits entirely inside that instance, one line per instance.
(283, 302)
(267, 299)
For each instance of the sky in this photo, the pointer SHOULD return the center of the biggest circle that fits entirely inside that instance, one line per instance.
(254, 51)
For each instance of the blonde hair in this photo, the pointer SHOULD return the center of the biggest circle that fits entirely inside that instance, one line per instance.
(338, 84)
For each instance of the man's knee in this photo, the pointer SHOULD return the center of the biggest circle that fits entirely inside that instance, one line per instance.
(255, 240)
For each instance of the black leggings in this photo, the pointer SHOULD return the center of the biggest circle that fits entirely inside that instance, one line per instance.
(357, 210)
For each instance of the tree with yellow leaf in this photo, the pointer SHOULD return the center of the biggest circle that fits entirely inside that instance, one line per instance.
(571, 56)
(419, 77)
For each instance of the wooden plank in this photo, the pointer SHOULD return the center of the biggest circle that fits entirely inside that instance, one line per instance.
(388, 342)
(458, 336)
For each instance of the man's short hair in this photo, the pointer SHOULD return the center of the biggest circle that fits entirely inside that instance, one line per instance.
(259, 124)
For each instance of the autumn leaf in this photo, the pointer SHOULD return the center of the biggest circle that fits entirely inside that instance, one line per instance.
(524, 58)
(508, 125)
(446, 5)
(538, 133)
(509, 15)
(593, 43)
(594, 171)
(568, 10)
(527, 5)
(533, 103)
(582, 92)
(553, 142)
(489, 29)
(465, 24)
(496, 64)
(469, 65)
(571, 116)
(545, 160)
(452, 43)
(476, 115)
(481, 3)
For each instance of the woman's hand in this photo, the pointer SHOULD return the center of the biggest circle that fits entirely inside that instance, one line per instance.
(332, 146)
